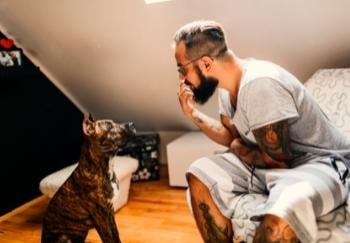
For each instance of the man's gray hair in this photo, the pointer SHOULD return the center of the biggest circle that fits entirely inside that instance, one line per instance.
(202, 38)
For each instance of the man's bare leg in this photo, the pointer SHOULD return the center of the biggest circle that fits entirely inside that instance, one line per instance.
(213, 226)
(276, 230)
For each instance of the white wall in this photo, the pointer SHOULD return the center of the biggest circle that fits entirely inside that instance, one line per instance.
(114, 58)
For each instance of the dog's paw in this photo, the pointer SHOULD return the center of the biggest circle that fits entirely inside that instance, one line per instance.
(238, 240)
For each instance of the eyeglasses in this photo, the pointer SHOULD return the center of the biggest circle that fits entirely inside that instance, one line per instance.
(182, 70)
(181, 67)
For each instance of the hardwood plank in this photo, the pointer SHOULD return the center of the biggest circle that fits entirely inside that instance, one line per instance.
(154, 213)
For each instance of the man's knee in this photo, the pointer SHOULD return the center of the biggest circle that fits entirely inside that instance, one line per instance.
(275, 229)
(196, 186)
(193, 181)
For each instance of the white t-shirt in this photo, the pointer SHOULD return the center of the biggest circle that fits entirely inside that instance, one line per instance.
(268, 94)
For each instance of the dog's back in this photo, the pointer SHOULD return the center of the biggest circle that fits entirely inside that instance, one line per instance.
(84, 200)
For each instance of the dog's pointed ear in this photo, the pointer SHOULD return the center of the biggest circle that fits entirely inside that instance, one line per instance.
(91, 118)
(88, 126)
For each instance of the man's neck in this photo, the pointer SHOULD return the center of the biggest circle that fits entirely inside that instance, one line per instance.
(231, 77)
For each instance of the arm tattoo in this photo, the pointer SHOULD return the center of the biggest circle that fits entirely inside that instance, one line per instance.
(273, 139)
(215, 233)
(199, 117)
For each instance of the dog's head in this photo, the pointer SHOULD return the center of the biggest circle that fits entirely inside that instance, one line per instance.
(107, 136)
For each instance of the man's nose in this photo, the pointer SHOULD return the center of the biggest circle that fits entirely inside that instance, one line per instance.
(182, 84)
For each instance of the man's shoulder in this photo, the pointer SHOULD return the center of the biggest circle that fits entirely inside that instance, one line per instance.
(260, 69)
(267, 73)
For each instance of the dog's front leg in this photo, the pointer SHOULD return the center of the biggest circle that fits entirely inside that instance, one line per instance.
(105, 225)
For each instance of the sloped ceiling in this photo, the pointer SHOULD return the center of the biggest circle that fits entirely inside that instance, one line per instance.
(113, 58)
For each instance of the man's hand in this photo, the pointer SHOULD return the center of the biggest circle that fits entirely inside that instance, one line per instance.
(254, 156)
(185, 95)
(249, 155)
(213, 128)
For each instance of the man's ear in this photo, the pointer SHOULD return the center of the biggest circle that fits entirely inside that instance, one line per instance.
(206, 64)
(88, 126)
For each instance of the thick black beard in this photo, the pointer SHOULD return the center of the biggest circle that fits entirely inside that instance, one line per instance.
(206, 88)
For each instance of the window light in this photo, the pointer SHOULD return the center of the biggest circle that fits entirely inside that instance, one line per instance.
(155, 1)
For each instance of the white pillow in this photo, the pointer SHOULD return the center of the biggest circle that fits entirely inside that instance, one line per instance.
(123, 166)
(331, 89)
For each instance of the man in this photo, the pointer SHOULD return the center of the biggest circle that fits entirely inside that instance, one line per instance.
(284, 150)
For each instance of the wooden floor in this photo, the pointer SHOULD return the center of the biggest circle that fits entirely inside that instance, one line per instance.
(154, 213)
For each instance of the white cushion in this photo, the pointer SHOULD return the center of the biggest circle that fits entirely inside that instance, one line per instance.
(331, 89)
(186, 149)
(123, 167)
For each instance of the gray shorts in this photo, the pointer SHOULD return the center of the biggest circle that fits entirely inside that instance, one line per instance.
(299, 195)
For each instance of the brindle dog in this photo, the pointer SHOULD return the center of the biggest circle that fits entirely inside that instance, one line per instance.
(84, 200)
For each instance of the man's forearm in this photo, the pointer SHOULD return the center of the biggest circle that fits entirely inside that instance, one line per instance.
(254, 156)
(212, 128)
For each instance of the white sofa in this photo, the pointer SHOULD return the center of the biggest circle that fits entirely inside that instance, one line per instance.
(331, 88)
(123, 167)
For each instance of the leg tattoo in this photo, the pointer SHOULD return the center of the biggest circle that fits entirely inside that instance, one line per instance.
(215, 233)
(274, 230)
(212, 224)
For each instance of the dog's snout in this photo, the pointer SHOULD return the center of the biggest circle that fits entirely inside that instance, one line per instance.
(130, 127)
